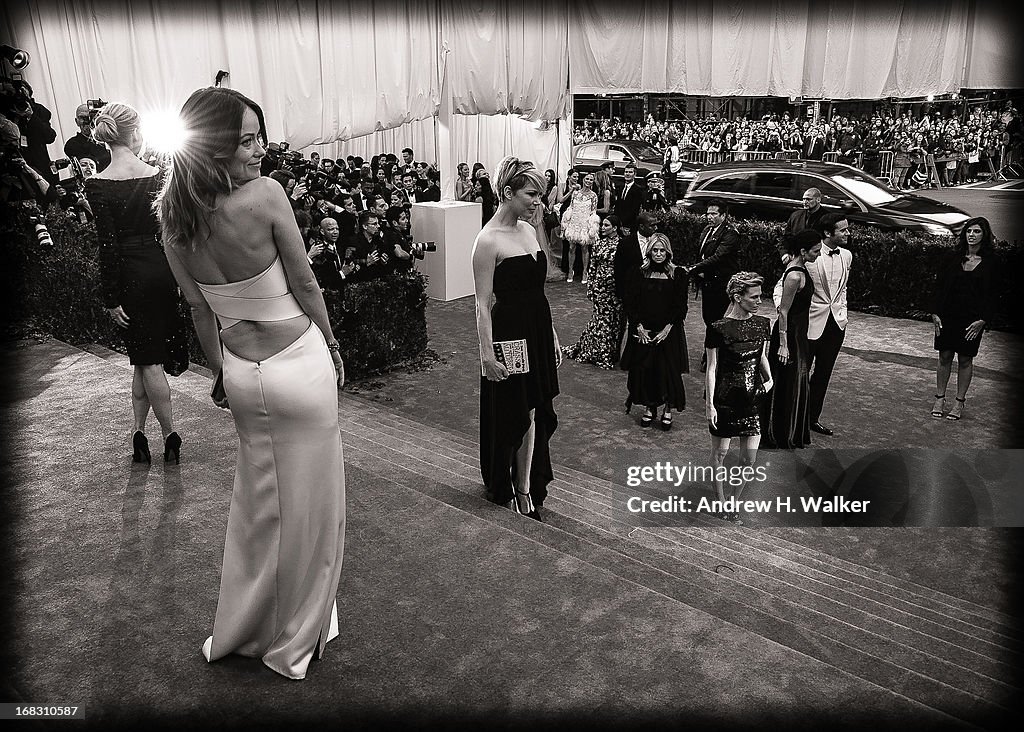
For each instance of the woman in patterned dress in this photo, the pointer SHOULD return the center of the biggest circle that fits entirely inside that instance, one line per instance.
(599, 342)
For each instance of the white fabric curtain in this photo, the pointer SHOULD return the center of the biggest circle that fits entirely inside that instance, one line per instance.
(320, 70)
(507, 56)
(483, 138)
(993, 56)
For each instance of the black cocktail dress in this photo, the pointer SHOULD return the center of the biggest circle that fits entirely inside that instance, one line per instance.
(738, 383)
(520, 311)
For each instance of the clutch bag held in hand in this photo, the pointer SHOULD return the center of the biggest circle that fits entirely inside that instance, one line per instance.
(513, 356)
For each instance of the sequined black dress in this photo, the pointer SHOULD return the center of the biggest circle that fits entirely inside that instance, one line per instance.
(520, 311)
(133, 269)
(786, 422)
(738, 382)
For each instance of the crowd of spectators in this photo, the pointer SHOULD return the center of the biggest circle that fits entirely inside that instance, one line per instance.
(961, 145)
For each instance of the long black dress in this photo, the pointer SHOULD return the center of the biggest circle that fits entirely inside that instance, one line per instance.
(133, 269)
(787, 420)
(656, 369)
(738, 383)
(520, 311)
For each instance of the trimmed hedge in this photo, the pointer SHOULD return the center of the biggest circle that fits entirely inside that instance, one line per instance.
(55, 290)
(893, 273)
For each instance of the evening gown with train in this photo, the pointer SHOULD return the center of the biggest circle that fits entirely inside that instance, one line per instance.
(286, 525)
(520, 311)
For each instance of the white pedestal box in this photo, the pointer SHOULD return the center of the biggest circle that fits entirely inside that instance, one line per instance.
(453, 226)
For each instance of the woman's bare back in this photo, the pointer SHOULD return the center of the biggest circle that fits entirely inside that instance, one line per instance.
(241, 245)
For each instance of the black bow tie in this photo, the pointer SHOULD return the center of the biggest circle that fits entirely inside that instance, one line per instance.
(833, 252)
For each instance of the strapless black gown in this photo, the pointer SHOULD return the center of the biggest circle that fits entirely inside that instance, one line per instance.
(520, 311)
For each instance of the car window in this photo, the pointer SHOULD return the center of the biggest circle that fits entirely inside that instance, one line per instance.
(867, 189)
(646, 152)
(830, 193)
(730, 183)
(776, 185)
(591, 152)
(616, 154)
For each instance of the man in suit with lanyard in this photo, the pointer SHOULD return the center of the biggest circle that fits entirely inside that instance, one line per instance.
(719, 260)
(826, 327)
(629, 199)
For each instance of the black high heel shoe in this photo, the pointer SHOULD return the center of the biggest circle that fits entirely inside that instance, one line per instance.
(140, 447)
(172, 447)
(533, 511)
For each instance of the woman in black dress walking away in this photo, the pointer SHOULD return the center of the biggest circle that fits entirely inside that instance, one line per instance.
(655, 352)
(139, 291)
(738, 374)
(964, 303)
(787, 419)
(517, 418)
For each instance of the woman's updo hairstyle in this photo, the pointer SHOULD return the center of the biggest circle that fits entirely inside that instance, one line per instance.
(115, 123)
(740, 282)
(805, 239)
(516, 174)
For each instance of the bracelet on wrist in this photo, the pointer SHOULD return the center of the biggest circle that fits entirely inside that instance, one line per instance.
(333, 346)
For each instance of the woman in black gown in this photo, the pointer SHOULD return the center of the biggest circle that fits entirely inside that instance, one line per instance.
(738, 374)
(517, 418)
(138, 289)
(787, 420)
(655, 352)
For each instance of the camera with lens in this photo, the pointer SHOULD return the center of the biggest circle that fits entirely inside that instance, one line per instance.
(419, 248)
(95, 105)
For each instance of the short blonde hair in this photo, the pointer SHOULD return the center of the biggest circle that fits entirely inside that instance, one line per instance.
(740, 282)
(516, 174)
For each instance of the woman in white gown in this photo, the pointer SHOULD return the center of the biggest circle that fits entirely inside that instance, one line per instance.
(238, 256)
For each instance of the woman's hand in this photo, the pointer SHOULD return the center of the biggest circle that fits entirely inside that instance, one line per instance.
(662, 334)
(783, 353)
(339, 367)
(119, 316)
(974, 329)
(767, 384)
(558, 348)
(642, 334)
(937, 321)
(493, 370)
(712, 414)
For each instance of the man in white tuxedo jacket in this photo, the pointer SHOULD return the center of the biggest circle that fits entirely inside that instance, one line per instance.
(826, 327)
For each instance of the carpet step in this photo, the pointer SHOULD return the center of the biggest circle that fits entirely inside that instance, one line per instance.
(950, 614)
(877, 660)
(920, 644)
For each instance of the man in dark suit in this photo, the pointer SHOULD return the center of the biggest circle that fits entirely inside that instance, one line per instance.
(803, 218)
(629, 255)
(629, 199)
(719, 260)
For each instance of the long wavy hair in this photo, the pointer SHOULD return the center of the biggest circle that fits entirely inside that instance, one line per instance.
(986, 238)
(648, 265)
(212, 118)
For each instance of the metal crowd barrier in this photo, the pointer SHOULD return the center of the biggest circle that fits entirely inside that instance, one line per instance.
(886, 161)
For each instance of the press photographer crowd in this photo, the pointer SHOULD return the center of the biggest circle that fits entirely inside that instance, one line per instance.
(354, 215)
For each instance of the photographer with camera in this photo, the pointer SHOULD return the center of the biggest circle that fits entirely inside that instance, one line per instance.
(83, 144)
(325, 257)
(369, 250)
(19, 181)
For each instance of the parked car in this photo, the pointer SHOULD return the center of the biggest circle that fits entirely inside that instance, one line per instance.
(771, 190)
(590, 156)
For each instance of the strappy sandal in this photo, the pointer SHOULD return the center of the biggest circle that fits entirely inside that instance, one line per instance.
(958, 409)
(666, 420)
(647, 418)
(940, 406)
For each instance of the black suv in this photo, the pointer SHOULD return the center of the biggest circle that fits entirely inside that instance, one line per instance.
(588, 157)
(771, 190)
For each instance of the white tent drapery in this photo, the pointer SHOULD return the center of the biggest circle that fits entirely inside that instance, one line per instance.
(335, 71)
